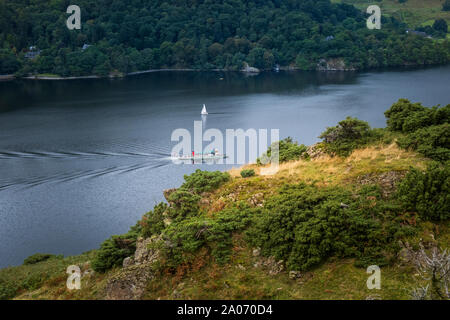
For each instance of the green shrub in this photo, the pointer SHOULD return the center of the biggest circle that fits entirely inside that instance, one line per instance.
(8, 289)
(38, 257)
(427, 193)
(152, 223)
(433, 142)
(113, 250)
(186, 237)
(204, 181)
(426, 129)
(303, 225)
(446, 5)
(183, 204)
(407, 117)
(247, 173)
(223, 226)
(182, 240)
(348, 135)
(399, 112)
(287, 150)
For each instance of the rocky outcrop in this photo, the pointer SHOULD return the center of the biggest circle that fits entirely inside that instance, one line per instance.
(316, 151)
(130, 282)
(294, 275)
(272, 266)
(386, 180)
(249, 69)
(337, 64)
(257, 200)
(144, 254)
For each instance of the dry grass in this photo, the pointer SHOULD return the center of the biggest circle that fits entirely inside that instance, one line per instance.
(333, 170)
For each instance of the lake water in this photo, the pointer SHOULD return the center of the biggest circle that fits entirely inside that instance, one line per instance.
(81, 160)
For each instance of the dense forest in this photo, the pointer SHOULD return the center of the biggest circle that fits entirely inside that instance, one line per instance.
(126, 36)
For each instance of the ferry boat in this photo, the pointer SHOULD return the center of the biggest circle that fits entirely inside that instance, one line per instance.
(213, 155)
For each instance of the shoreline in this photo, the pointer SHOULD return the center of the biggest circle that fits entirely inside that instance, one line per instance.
(10, 77)
(119, 76)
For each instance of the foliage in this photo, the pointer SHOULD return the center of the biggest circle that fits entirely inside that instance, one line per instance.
(204, 181)
(440, 25)
(7, 289)
(38, 257)
(152, 223)
(427, 129)
(183, 204)
(405, 116)
(446, 5)
(432, 142)
(186, 237)
(348, 135)
(287, 150)
(8, 62)
(247, 173)
(113, 250)
(427, 193)
(205, 34)
(303, 225)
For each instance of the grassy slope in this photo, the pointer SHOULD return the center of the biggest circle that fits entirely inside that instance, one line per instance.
(415, 13)
(240, 279)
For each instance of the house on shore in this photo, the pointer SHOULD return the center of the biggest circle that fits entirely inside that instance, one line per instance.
(32, 53)
(418, 33)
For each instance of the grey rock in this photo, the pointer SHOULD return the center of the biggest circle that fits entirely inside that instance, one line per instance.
(294, 275)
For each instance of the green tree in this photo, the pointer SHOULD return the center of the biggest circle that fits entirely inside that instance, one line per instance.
(446, 5)
(440, 25)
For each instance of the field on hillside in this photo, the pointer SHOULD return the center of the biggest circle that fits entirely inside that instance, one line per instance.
(415, 13)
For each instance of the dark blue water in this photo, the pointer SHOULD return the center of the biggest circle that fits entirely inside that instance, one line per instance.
(84, 159)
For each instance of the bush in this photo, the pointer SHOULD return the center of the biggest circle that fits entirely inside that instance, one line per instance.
(8, 289)
(247, 173)
(405, 116)
(287, 150)
(113, 250)
(152, 223)
(432, 142)
(446, 6)
(183, 204)
(204, 181)
(303, 225)
(427, 193)
(348, 135)
(426, 129)
(186, 237)
(38, 257)
(399, 112)
(440, 25)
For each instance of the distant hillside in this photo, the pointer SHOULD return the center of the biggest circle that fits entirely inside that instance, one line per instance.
(415, 13)
(119, 37)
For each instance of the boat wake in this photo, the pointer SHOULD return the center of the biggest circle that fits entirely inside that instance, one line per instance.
(4, 155)
(30, 182)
